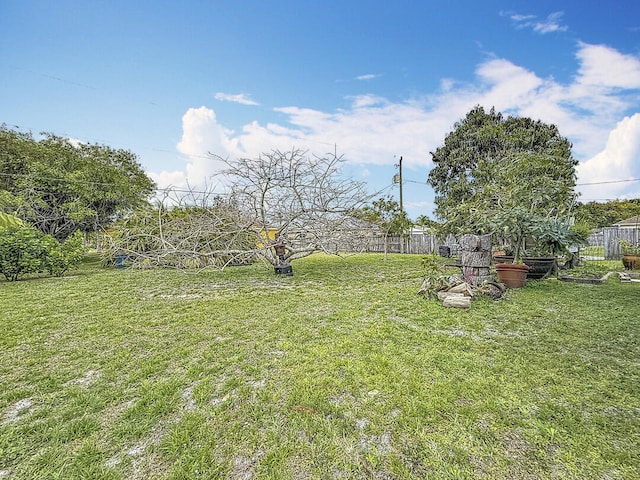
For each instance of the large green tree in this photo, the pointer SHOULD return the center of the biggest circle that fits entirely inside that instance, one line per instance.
(60, 187)
(466, 165)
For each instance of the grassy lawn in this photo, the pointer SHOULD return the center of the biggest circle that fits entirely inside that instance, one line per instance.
(339, 372)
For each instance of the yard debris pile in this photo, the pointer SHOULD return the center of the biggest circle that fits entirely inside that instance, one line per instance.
(457, 293)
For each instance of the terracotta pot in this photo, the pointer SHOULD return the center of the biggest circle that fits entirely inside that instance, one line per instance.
(631, 262)
(513, 275)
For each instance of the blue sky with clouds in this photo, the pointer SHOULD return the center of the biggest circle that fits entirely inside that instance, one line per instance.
(377, 80)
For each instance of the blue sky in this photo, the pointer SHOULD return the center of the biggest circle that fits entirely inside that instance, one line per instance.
(375, 80)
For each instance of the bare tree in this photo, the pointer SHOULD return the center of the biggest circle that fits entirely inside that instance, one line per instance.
(279, 207)
(300, 201)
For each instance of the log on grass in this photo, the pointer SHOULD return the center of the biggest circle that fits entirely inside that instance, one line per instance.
(457, 302)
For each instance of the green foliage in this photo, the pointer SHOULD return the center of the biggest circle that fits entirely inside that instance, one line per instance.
(22, 251)
(521, 200)
(629, 248)
(61, 256)
(605, 214)
(579, 234)
(591, 269)
(434, 274)
(386, 213)
(488, 156)
(427, 223)
(25, 250)
(9, 221)
(60, 187)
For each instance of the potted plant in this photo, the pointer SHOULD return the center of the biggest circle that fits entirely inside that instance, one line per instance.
(520, 196)
(550, 236)
(630, 255)
(513, 225)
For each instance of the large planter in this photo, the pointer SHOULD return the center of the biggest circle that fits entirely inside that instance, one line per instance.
(513, 275)
(539, 267)
(631, 262)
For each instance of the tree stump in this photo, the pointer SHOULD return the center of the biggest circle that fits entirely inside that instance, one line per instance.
(475, 258)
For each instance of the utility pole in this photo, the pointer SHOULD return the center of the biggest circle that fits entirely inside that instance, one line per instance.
(400, 165)
(398, 177)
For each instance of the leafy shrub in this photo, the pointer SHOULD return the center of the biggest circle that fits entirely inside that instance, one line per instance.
(434, 276)
(62, 256)
(25, 250)
(22, 251)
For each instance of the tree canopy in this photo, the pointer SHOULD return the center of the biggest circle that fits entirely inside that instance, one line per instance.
(387, 215)
(60, 187)
(303, 198)
(490, 161)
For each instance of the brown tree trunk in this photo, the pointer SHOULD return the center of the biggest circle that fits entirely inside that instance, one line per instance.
(475, 258)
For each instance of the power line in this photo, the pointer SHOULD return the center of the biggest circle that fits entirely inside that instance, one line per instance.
(609, 181)
(577, 184)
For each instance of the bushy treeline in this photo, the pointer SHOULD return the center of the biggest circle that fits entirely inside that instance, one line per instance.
(60, 186)
(605, 214)
(52, 191)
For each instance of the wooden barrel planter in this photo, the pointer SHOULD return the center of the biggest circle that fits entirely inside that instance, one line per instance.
(539, 267)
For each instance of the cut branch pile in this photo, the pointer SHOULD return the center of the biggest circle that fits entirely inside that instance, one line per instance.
(458, 294)
(295, 201)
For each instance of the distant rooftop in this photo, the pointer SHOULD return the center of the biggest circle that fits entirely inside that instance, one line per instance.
(633, 221)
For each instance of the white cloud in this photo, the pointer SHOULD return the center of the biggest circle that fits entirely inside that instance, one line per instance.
(516, 17)
(202, 135)
(553, 22)
(603, 66)
(617, 161)
(510, 85)
(240, 98)
(368, 76)
(371, 129)
(165, 179)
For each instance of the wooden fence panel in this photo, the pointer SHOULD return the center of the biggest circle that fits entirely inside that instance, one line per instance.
(611, 237)
(416, 243)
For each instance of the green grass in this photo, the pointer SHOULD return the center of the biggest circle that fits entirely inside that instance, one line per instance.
(340, 372)
(593, 251)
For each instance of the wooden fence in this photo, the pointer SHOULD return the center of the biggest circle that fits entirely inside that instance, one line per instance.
(417, 243)
(425, 243)
(611, 237)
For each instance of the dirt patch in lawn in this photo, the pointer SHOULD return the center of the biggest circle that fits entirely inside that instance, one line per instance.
(15, 411)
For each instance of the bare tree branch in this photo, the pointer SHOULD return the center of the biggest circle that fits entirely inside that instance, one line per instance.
(292, 199)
